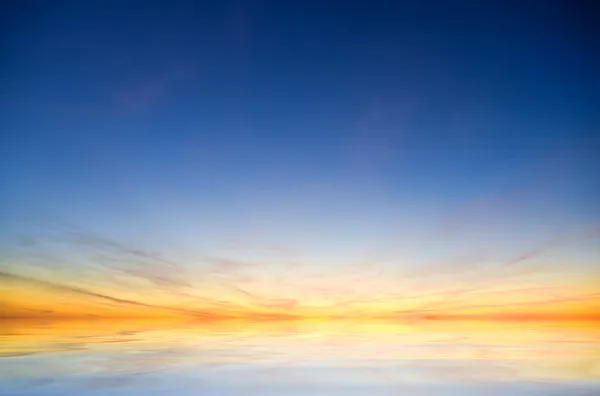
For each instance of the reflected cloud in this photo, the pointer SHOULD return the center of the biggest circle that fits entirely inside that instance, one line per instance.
(75, 356)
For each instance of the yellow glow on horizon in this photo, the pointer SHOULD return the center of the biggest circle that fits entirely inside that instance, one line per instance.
(22, 298)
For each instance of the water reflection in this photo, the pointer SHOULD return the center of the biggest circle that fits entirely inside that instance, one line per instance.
(281, 358)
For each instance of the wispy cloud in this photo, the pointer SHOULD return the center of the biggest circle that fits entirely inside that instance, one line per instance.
(226, 287)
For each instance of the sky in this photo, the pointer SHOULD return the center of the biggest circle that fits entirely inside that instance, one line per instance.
(320, 134)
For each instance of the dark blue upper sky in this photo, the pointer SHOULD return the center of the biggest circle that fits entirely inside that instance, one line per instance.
(307, 123)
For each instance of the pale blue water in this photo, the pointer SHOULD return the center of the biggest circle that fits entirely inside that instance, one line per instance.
(95, 359)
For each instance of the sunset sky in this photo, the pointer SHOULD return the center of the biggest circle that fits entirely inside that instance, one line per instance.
(313, 157)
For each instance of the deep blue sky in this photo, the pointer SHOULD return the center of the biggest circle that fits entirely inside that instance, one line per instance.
(331, 128)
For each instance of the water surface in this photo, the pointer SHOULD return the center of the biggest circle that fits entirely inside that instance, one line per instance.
(299, 358)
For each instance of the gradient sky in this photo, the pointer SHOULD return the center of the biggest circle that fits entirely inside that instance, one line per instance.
(326, 133)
